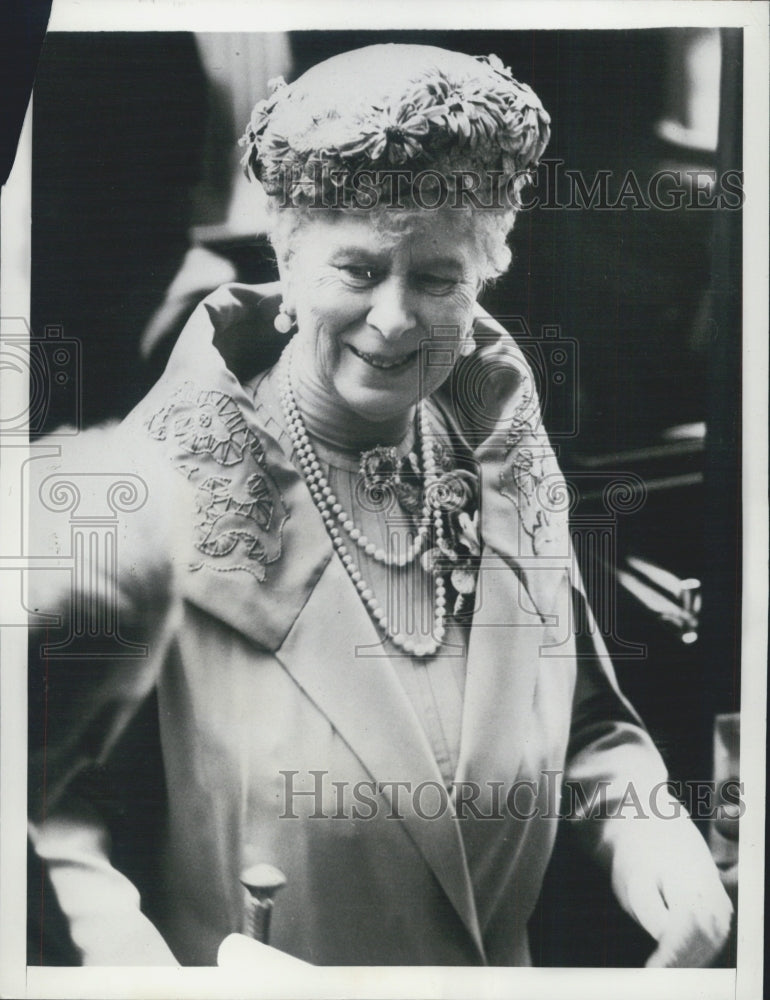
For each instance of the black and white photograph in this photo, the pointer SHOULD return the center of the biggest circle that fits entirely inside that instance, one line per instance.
(384, 546)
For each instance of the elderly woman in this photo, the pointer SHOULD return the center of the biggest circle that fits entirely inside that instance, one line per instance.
(349, 582)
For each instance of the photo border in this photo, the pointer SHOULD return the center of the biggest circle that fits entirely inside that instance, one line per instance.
(743, 982)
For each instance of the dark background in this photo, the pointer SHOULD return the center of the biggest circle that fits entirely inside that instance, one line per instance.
(649, 299)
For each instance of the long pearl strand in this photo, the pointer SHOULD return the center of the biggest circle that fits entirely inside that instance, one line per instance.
(334, 518)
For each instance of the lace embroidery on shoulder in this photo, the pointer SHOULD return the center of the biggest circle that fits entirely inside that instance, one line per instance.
(530, 476)
(240, 515)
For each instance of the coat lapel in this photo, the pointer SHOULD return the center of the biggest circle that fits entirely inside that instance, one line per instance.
(503, 657)
(526, 552)
(358, 690)
(492, 406)
(249, 549)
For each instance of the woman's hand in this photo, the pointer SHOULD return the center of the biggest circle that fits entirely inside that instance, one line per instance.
(664, 876)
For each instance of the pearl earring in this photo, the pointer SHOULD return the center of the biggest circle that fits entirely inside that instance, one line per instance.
(284, 321)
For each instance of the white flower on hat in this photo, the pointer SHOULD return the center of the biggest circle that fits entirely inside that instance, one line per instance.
(385, 132)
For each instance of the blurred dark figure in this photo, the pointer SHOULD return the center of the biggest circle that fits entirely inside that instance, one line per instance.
(118, 125)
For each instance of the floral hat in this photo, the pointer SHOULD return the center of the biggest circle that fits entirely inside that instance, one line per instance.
(438, 119)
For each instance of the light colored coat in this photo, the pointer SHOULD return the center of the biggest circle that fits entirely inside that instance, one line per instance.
(268, 672)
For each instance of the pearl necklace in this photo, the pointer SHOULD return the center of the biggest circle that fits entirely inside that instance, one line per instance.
(335, 517)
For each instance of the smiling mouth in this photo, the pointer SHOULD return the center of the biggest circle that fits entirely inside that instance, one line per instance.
(383, 363)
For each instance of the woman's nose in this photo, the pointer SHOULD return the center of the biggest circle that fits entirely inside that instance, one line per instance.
(391, 312)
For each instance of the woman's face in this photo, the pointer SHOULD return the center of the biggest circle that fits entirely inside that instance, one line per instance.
(380, 314)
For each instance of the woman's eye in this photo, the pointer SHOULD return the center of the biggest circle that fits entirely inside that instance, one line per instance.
(436, 284)
(360, 274)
